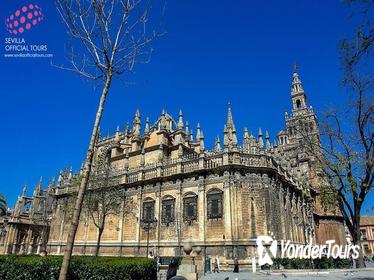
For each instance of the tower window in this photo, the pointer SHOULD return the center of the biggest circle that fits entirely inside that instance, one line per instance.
(298, 104)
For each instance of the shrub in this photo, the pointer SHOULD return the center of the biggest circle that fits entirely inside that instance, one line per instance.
(81, 268)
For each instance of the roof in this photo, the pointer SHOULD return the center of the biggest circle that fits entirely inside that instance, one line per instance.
(367, 220)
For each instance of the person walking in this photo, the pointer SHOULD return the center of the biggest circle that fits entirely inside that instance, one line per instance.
(217, 266)
(172, 269)
(236, 265)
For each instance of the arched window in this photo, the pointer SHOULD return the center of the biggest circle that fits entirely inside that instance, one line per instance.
(168, 206)
(190, 207)
(148, 210)
(298, 104)
(215, 203)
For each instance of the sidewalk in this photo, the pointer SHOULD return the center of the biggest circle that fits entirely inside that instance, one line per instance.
(363, 274)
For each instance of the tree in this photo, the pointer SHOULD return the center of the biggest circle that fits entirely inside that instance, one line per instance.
(3, 205)
(104, 197)
(108, 38)
(346, 153)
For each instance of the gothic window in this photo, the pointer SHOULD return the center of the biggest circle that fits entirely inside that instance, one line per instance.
(190, 207)
(215, 199)
(26, 207)
(168, 206)
(148, 210)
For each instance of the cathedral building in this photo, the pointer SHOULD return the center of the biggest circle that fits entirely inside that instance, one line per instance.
(219, 199)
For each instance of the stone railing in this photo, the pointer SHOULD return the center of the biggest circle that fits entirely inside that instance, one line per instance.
(190, 164)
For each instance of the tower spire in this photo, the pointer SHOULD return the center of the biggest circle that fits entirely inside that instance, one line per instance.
(187, 130)
(267, 143)
(297, 91)
(230, 122)
(146, 130)
(198, 132)
(230, 139)
(180, 120)
(260, 139)
(137, 124)
(217, 144)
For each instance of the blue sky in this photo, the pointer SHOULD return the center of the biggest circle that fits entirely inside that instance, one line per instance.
(213, 52)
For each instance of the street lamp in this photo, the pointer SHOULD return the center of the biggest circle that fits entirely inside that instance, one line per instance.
(147, 224)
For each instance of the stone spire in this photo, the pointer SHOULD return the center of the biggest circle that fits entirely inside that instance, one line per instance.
(230, 123)
(136, 124)
(163, 124)
(245, 138)
(201, 139)
(230, 128)
(296, 86)
(198, 132)
(117, 136)
(187, 130)
(245, 135)
(70, 172)
(59, 177)
(260, 139)
(146, 129)
(267, 143)
(225, 137)
(38, 188)
(24, 190)
(180, 121)
(51, 183)
(298, 96)
(217, 144)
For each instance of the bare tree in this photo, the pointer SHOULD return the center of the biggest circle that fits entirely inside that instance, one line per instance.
(108, 38)
(104, 197)
(346, 153)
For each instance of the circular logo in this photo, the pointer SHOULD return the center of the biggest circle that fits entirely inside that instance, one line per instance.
(24, 19)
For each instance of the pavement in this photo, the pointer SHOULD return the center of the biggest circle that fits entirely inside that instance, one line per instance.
(354, 275)
(351, 274)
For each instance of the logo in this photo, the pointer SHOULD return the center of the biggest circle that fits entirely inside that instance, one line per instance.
(19, 22)
(267, 249)
(24, 19)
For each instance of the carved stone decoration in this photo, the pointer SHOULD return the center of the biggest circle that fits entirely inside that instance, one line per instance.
(197, 250)
(187, 248)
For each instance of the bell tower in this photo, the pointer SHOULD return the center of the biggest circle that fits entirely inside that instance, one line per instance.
(303, 120)
(298, 95)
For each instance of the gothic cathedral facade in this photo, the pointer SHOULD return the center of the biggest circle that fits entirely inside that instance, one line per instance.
(175, 190)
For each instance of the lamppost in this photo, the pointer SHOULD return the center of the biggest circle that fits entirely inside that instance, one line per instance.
(147, 224)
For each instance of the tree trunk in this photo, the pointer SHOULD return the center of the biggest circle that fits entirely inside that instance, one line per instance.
(101, 229)
(356, 236)
(84, 182)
